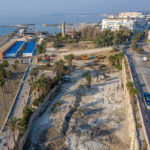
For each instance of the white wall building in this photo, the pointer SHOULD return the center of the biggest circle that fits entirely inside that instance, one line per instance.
(130, 15)
(135, 24)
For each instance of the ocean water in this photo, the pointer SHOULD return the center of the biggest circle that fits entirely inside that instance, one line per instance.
(47, 19)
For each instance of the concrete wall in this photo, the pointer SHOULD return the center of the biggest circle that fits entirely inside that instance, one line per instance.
(48, 100)
(134, 144)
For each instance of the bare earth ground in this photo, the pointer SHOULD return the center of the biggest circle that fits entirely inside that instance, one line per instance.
(3, 39)
(88, 119)
(75, 46)
(8, 97)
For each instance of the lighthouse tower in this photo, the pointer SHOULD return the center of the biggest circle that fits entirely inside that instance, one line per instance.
(63, 29)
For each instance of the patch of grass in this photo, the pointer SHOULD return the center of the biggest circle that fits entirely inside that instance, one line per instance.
(58, 103)
(138, 125)
(118, 66)
(80, 86)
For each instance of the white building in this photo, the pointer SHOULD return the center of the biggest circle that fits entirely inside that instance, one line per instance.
(130, 15)
(134, 24)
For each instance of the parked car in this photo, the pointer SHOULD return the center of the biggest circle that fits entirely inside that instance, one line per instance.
(147, 99)
(66, 77)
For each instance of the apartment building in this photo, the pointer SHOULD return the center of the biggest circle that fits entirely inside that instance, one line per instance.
(132, 21)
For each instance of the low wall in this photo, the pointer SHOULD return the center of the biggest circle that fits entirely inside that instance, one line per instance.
(48, 100)
(145, 130)
(134, 145)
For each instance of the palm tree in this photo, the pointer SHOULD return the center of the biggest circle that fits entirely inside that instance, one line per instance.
(13, 127)
(15, 66)
(8, 77)
(5, 63)
(89, 80)
(2, 83)
(34, 73)
(2, 71)
(22, 63)
(112, 60)
(69, 59)
(42, 86)
(58, 68)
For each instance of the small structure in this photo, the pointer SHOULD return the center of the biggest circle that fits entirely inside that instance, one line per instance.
(63, 29)
(30, 48)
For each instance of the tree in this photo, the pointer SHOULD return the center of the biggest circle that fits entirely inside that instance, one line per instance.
(34, 73)
(69, 59)
(8, 77)
(89, 80)
(133, 46)
(112, 60)
(22, 63)
(42, 85)
(15, 66)
(57, 44)
(133, 91)
(2, 71)
(5, 63)
(139, 50)
(58, 68)
(12, 125)
(2, 83)
(129, 84)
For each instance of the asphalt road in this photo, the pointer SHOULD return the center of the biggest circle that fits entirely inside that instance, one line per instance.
(141, 75)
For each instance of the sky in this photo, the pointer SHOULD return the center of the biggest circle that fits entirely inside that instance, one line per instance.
(9, 8)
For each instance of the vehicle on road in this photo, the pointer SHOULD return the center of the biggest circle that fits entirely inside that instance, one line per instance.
(66, 78)
(145, 58)
(147, 100)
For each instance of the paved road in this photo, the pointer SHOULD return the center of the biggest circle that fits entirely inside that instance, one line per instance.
(141, 75)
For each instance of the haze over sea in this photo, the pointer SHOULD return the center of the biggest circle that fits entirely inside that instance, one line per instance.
(47, 19)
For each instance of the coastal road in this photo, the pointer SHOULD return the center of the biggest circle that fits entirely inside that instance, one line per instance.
(141, 76)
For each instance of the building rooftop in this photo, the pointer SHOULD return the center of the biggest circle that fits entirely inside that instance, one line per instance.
(30, 47)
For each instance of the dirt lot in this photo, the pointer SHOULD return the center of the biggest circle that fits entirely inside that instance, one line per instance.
(10, 89)
(76, 46)
(3, 39)
(87, 119)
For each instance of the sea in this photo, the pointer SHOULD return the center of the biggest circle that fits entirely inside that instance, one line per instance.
(46, 19)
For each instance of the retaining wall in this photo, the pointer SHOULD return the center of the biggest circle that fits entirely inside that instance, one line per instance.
(48, 100)
(134, 144)
(14, 101)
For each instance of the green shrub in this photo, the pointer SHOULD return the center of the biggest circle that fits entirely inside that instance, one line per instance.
(118, 66)
(53, 108)
(85, 74)
(38, 101)
(57, 79)
(27, 112)
(58, 103)
(138, 125)
(48, 65)
(133, 91)
(80, 86)
(129, 84)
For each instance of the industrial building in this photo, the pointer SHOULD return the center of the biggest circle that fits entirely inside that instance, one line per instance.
(14, 50)
(5, 48)
(30, 48)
